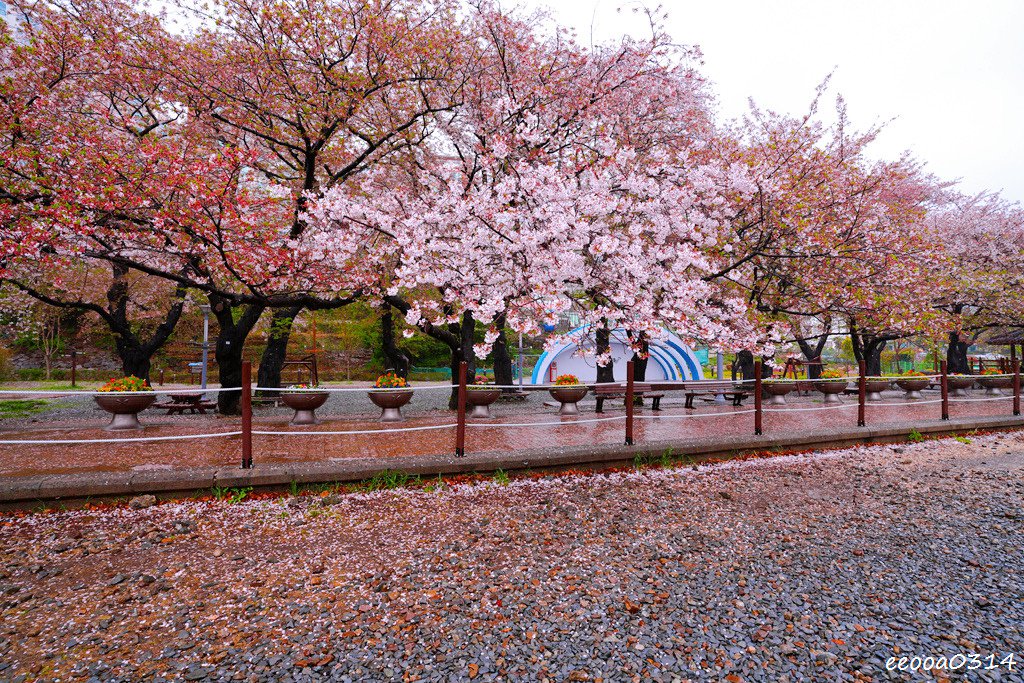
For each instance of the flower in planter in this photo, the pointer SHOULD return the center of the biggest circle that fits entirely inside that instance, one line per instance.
(832, 373)
(390, 380)
(566, 380)
(991, 371)
(129, 383)
(304, 385)
(481, 379)
(912, 373)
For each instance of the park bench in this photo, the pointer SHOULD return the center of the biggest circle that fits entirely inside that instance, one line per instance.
(711, 388)
(640, 390)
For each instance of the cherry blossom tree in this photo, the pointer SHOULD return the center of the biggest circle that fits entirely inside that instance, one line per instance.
(979, 280)
(91, 152)
(318, 91)
(831, 234)
(564, 181)
(153, 152)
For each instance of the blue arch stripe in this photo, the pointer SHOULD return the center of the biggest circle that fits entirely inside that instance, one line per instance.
(665, 362)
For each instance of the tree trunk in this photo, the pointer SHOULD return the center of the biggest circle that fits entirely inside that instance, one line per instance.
(641, 357)
(462, 350)
(956, 355)
(276, 351)
(502, 358)
(396, 359)
(813, 353)
(868, 348)
(873, 358)
(231, 336)
(458, 337)
(134, 360)
(745, 364)
(603, 344)
(136, 354)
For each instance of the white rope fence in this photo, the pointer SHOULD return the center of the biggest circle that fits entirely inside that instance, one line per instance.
(356, 431)
(978, 400)
(178, 437)
(693, 415)
(55, 393)
(808, 410)
(478, 425)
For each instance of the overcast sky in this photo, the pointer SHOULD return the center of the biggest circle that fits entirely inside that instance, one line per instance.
(950, 75)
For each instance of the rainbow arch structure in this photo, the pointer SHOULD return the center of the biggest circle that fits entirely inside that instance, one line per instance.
(671, 359)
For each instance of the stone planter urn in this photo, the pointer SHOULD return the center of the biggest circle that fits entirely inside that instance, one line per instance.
(124, 408)
(304, 403)
(873, 388)
(481, 399)
(994, 384)
(568, 396)
(959, 384)
(390, 403)
(777, 392)
(913, 386)
(831, 389)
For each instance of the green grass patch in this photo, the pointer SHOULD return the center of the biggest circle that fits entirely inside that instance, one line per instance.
(22, 407)
(387, 479)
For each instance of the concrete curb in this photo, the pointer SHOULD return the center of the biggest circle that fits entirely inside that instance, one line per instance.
(41, 489)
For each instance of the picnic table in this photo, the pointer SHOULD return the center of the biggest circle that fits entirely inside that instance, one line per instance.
(193, 402)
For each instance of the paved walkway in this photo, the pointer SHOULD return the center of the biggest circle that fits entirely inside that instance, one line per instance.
(546, 430)
(524, 437)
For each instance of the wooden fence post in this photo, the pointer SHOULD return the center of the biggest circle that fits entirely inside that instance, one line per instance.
(460, 431)
(629, 403)
(1016, 388)
(757, 398)
(246, 415)
(943, 367)
(862, 394)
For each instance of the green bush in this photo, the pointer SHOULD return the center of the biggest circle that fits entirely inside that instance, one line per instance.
(6, 372)
(31, 374)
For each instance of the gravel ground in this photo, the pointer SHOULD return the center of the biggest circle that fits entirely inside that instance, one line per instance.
(816, 567)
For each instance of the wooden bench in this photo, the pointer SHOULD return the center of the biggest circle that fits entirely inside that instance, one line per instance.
(712, 387)
(640, 390)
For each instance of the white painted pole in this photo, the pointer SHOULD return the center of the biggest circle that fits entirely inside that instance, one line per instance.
(720, 367)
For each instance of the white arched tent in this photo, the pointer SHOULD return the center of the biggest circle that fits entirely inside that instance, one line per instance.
(671, 359)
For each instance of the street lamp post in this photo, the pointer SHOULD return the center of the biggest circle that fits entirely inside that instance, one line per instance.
(720, 371)
(205, 308)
